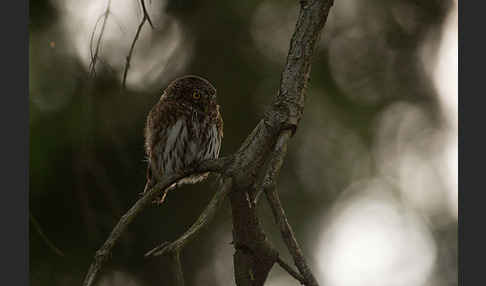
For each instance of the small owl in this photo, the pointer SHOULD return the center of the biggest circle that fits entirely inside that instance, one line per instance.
(184, 128)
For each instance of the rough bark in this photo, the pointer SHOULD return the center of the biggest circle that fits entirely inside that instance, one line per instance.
(254, 255)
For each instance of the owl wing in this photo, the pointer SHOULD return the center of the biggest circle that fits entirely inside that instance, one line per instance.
(212, 137)
(161, 117)
(219, 126)
(219, 122)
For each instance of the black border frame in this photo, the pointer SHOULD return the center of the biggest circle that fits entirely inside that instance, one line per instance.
(15, 152)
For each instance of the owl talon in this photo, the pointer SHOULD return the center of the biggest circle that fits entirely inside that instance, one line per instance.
(158, 202)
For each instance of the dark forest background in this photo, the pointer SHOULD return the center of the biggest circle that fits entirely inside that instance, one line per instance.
(370, 181)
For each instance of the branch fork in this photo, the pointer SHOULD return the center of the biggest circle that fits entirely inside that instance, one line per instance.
(267, 143)
(105, 251)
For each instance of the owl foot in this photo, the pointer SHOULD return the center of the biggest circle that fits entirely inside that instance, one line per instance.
(159, 201)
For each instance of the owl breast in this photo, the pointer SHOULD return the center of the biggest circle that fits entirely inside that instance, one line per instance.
(188, 141)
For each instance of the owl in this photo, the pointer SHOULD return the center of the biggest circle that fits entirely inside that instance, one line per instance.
(182, 129)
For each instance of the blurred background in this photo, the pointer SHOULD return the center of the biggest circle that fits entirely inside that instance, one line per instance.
(370, 180)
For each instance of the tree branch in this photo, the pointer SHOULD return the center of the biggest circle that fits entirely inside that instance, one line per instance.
(145, 17)
(291, 271)
(273, 132)
(146, 14)
(288, 236)
(130, 52)
(204, 218)
(104, 252)
(176, 268)
(288, 106)
(254, 254)
(94, 57)
(174, 249)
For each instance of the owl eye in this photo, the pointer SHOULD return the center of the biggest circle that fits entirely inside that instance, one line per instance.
(196, 95)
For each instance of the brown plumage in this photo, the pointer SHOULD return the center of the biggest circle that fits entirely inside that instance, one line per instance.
(182, 129)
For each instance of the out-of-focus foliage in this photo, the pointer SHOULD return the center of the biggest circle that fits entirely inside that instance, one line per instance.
(370, 182)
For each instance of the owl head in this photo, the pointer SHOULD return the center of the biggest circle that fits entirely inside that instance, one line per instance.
(193, 91)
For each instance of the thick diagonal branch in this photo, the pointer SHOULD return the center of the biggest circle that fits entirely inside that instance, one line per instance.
(279, 123)
(287, 111)
(288, 106)
(218, 165)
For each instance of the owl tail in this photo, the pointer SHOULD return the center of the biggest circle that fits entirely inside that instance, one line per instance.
(150, 183)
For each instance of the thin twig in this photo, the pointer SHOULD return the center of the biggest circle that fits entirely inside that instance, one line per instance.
(289, 236)
(290, 270)
(174, 249)
(146, 14)
(286, 231)
(104, 252)
(92, 66)
(176, 268)
(204, 218)
(91, 39)
(44, 237)
(145, 17)
(130, 52)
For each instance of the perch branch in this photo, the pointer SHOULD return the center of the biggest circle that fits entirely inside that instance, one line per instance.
(204, 218)
(104, 252)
